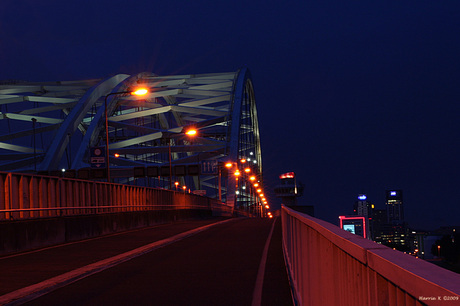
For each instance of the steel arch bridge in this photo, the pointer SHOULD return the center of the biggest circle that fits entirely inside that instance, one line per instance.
(56, 125)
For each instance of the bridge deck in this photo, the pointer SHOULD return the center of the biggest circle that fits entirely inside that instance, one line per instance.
(218, 265)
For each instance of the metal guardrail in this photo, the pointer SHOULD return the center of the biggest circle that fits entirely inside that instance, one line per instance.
(25, 196)
(329, 266)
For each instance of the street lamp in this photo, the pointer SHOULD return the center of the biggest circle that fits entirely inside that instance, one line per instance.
(137, 92)
(191, 132)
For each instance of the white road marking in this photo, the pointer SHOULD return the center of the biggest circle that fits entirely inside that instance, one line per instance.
(32, 292)
(257, 295)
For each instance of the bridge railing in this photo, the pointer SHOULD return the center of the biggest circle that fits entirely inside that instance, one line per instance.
(329, 266)
(24, 196)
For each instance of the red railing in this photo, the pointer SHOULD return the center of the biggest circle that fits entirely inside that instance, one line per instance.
(329, 266)
(24, 196)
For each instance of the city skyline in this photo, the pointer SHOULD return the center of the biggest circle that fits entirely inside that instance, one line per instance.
(354, 98)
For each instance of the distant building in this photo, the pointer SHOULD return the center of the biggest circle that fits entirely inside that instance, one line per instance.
(289, 190)
(378, 224)
(395, 207)
(384, 226)
(363, 207)
(395, 233)
(357, 225)
(417, 243)
(397, 237)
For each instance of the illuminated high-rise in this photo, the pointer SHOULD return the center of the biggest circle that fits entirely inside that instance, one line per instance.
(396, 234)
(395, 207)
(363, 207)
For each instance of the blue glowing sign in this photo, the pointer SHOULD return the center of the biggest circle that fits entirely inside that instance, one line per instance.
(362, 197)
(393, 193)
(349, 228)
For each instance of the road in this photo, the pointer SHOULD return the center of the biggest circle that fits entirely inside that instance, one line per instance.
(231, 262)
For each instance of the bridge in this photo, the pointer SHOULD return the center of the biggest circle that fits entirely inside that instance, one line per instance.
(95, 129)
(104, 198)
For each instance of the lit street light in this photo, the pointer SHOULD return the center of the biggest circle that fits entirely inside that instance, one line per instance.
(138, 92)
(243, 172)
(191, 132)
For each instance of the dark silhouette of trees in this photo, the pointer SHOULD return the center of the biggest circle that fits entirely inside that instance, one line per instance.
(449, 248)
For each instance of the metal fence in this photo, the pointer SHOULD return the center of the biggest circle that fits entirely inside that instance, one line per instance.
(24, 196)
(329, 266)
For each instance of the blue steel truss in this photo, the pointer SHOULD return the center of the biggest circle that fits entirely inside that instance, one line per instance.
(51, 126)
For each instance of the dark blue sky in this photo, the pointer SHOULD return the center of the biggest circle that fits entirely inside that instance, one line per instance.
(353, 97)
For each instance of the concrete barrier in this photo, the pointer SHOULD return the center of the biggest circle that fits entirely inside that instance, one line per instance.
(330, 266)
(22, 235)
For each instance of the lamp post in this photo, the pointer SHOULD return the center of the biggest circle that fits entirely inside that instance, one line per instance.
(34, 120)
(190, 132)
(170, 163)
(236, 174)
(137, 92)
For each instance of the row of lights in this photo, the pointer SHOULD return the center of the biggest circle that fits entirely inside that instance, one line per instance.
(252, 179)
(183, 187)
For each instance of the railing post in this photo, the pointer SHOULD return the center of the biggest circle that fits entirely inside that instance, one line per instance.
(3, 205)
(43, 197)
(14, 194)
(34, 198)
(8, 195)
(60, 194)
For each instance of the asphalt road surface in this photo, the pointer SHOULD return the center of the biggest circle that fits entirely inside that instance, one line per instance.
(233, 262)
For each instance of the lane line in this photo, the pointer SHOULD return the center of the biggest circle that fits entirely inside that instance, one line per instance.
(257, 294)
(32, 292)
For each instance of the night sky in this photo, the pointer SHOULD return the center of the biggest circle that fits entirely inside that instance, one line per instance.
(353, 97)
